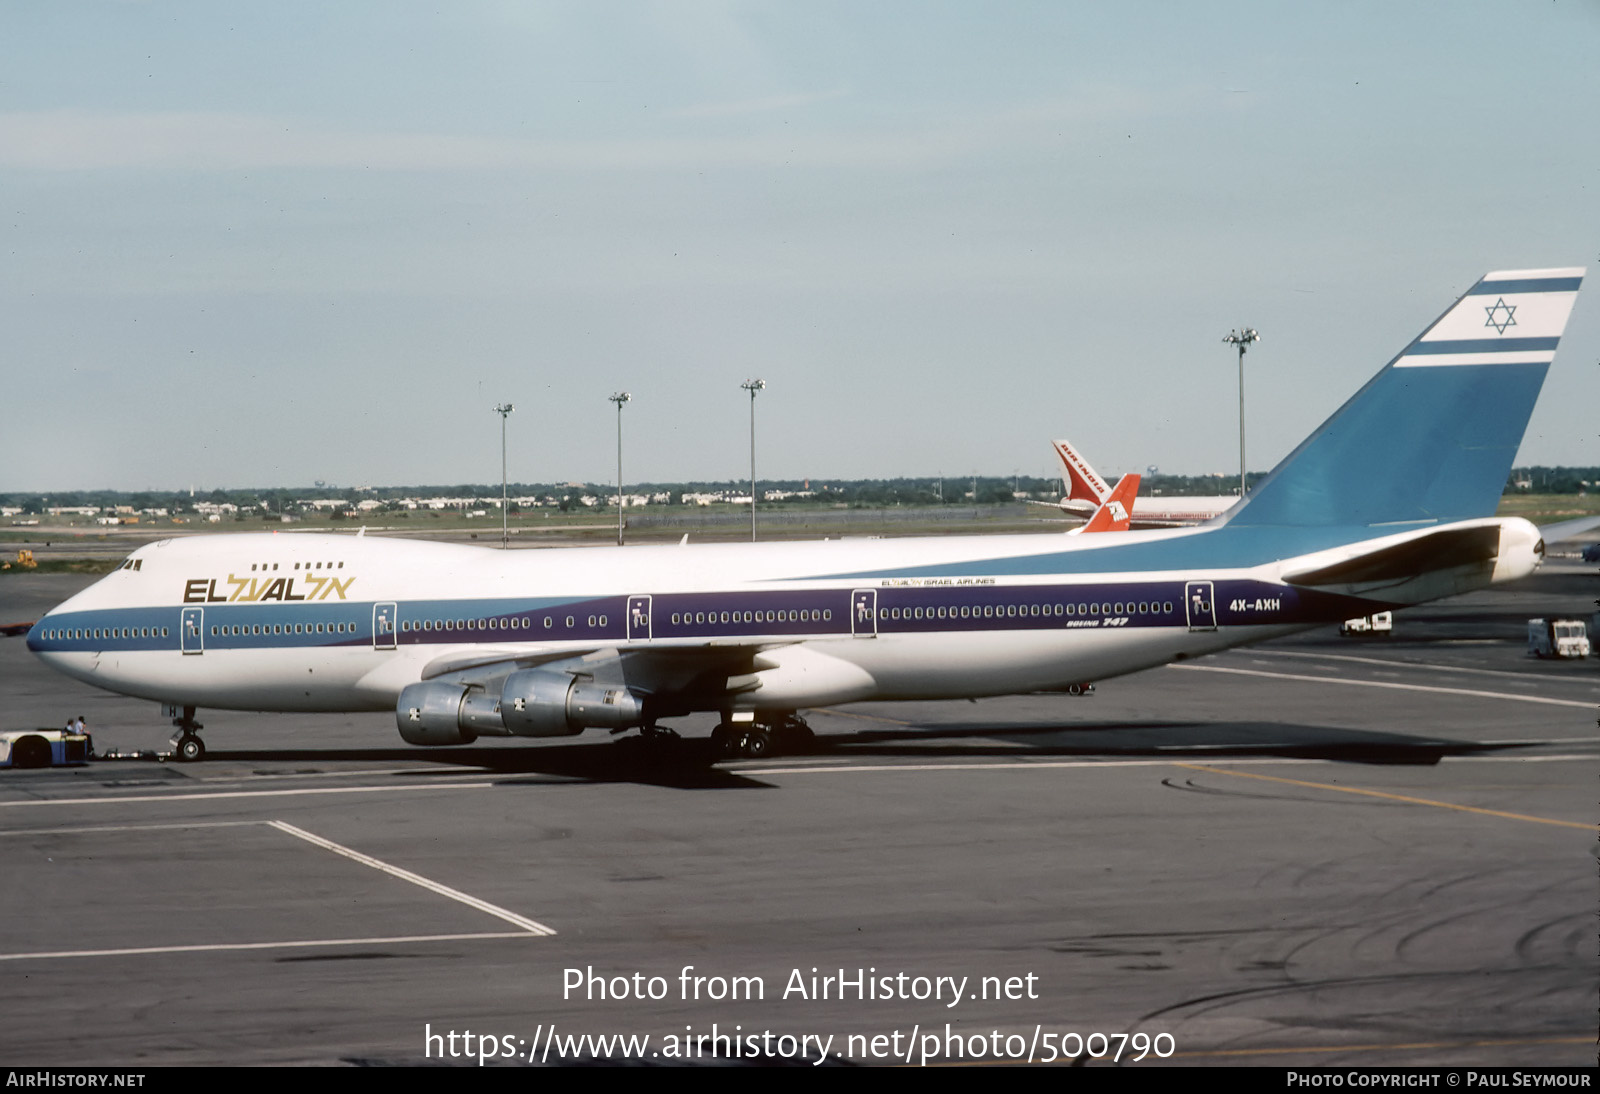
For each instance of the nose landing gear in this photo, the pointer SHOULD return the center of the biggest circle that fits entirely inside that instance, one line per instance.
(186, 743)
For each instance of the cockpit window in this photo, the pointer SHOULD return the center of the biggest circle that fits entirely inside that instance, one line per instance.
(132, 564)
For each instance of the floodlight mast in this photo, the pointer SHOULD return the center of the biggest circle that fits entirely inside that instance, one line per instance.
(1241, 339)
(504, 410)
(619, 398)
(753, 386)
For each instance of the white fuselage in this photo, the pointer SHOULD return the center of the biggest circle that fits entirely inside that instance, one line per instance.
(325, 623)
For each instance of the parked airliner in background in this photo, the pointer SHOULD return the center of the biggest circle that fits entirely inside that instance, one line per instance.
(1116, 512)
(1087, 491)
(1389, 503)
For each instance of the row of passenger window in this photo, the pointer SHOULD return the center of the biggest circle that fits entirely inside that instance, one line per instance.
(284, 628)
(1012, 611)
(789, 615)
(74, 634)
(514, 623)
(298, 565)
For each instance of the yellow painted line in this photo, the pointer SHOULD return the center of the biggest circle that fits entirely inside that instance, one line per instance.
(863, 717)
(1586, 704)
(1386, 796)
(1525, 677)
(77, 830)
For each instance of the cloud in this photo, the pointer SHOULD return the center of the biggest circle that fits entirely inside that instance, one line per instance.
(742, 107)
(75, 140)
(96, 140)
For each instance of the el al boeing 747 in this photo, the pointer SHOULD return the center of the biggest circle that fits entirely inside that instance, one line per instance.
(1389, 503)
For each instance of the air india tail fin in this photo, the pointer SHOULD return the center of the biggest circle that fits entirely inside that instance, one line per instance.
(1082, 482)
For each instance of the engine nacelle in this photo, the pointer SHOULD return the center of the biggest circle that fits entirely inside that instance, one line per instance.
(546, 702)
(438, 713)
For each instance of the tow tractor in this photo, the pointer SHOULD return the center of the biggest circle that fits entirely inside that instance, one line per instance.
(58, 748)
(43, 748)
(1558, 638)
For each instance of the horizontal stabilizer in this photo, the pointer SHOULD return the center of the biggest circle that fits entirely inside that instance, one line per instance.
(1441, 550)
(1568, 529)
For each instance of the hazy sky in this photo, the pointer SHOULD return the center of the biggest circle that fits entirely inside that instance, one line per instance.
(259, 244)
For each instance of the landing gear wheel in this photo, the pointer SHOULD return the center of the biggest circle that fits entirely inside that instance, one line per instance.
(190, 748)
(728, 739)
(658, 736)
(767, 736)
(793, 735)
(725, 740)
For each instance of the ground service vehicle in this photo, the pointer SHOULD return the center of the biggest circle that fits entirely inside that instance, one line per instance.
(42, 748)
(1558, 638)
(1376, 623)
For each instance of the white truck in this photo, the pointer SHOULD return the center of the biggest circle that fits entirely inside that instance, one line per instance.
(1377, 623)
(1558, 638)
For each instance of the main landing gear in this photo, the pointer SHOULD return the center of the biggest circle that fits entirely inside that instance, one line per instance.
(656, 737)
(186, 743)
(761, 736)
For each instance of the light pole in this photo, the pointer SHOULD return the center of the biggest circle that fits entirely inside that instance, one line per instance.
(504, 410)
(1242, 339)
(753, 386)
(619, 398)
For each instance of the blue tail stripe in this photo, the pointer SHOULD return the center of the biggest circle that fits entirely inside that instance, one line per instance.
(1483, 345)
(1532, 284)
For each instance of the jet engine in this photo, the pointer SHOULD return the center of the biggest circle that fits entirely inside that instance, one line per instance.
(440, 713)
(539, 702)
(546, 702)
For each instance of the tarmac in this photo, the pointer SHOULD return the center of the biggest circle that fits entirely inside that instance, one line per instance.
(1319, 852)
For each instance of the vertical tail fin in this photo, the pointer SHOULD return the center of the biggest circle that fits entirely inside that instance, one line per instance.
(1431, 437)
(1082, 482)
(1116, 514)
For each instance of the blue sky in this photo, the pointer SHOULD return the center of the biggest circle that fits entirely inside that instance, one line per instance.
(265, 244)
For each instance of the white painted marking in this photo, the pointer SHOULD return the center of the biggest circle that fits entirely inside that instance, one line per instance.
(998, 765)
(257, 776)
(118, 800)
(1525, 677)
(1544, 741)
(529, 925)
(1525, 759)
(310, 942)
(1386, 684)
